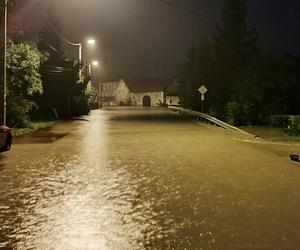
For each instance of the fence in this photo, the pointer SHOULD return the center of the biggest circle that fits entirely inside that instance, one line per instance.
(282, 121)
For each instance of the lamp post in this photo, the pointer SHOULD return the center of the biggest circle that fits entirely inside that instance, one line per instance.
(100, 86)
(4, 64)
(80, 58)
(90, 42)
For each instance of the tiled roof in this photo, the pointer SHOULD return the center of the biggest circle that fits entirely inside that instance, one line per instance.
(147, 85)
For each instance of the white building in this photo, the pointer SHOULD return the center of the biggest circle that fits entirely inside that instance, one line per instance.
(139, 92)
(114, 93)
(147, 92)
(172, 100)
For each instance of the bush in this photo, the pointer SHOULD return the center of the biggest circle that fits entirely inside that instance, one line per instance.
(236, 114)
(18, 112)
(279, 121)
(293, 130)
(24, 81)
(80, 105)
(213, 112)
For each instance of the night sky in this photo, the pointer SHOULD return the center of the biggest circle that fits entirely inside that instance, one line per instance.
(137, 38)
(148, 38)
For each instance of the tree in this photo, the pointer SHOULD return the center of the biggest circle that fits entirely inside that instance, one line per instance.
(235, 50)
(24, 80)
(92, 94)
(281, 87)
(197, 70)
(226, 65)
(245, 86)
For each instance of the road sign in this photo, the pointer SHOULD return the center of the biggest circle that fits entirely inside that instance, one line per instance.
(202, 90)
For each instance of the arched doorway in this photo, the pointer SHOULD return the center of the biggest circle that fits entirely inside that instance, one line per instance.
(146, 101)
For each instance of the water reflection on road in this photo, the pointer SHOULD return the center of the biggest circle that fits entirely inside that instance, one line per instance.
(146, 179)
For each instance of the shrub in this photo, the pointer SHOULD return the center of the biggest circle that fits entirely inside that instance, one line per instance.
(279, 121)
(293, 130)
(24, 81)
(235, 114)
(18, 112)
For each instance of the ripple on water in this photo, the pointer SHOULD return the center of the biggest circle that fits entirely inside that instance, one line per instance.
(78, 202)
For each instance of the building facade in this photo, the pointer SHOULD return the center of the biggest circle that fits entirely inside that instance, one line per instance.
(147, 99)
(138, 92)
(172, 100)
(114, 93)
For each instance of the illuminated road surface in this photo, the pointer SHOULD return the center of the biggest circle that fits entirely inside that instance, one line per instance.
(147, 179)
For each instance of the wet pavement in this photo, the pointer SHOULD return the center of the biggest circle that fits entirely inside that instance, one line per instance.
(147, 179)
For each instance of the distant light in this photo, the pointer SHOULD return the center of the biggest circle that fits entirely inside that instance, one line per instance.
(91, 41)
(95, 63)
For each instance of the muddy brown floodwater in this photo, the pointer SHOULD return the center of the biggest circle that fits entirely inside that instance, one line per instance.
(129, 178)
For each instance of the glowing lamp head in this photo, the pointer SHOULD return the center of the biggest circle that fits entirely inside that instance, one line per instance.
(95, 63)
(91, 41)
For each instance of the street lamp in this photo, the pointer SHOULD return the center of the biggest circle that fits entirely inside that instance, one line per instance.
(100, 85)
(90, 42)
(89, 66)
(95, 63)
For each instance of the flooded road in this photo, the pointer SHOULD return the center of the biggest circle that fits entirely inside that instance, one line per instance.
(147, 179)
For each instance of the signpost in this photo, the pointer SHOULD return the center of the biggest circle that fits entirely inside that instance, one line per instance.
(202, 91)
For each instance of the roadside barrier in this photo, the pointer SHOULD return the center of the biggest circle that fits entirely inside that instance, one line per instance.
(209, 119)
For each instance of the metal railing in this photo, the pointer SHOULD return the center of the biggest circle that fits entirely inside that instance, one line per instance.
(209, 119)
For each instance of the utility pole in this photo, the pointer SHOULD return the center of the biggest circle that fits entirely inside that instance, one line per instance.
(4, 77)
(80, 59)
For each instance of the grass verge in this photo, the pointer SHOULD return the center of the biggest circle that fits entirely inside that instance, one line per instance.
(33, 127)
(271, 133)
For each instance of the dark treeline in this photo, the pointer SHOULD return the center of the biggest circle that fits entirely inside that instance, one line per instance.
(245, 85)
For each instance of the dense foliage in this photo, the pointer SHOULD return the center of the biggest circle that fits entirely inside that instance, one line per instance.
(293, 129)
(245, 86)
(24, 80)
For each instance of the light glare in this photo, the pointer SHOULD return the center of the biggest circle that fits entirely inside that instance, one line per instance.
(95, 63)
(91, 41)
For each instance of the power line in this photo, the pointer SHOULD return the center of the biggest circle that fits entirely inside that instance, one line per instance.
(58, 33)
(195, 12)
